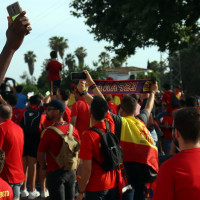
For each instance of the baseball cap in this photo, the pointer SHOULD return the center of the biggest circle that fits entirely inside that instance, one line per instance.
(56, 104)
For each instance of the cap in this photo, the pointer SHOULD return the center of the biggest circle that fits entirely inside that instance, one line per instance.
(56, 104)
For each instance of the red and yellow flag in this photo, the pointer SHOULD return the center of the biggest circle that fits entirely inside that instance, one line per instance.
(137, 143)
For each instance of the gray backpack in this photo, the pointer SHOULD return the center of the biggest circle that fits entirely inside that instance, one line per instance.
(67, 158)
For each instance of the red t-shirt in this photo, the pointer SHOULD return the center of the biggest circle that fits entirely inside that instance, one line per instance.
(12, 143)
(54, 68)
(67, 114)
(17, 115)
(80, 109)
(179, 177)
(6, 192)
(51, 142)
(167, 99)
(90, 148)
(112, 107)
(167, 131)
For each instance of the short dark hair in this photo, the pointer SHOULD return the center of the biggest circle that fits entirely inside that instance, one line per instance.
(190, 101)
(128, 104)
(19, 88)
(108, 97)
(65, 94)
(5, 111)
(11, 99)
(2, 159)
(53, 54)
(187, 122)
(99, 108)
(35, 100)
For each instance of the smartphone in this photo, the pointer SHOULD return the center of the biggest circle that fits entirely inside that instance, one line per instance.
(14, 10)
(78, 75)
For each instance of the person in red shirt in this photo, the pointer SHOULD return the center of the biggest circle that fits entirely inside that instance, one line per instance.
(64, 96)
(54, 67)
(6, 192)
(60, 183)
(167, 99)
(111, 106)
(178, 178)
(80, 116)
(95, 182)
(12, 143)
(166, 125)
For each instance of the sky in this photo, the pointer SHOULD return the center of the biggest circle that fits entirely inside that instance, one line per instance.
(50, 18)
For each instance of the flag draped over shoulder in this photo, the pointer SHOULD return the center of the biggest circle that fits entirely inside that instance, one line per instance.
(137, 143)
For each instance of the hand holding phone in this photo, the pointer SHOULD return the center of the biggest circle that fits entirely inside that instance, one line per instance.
(14, 10)
(78, 75)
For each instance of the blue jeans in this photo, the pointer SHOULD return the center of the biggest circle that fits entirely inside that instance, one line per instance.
(61, 184)
(111, 194)
(16, 190)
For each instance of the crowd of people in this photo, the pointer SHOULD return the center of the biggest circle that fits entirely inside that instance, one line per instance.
(159, 134)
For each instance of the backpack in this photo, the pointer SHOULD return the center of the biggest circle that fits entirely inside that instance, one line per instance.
(110, 148)
(175, 101)
(67, 158)
(30, 125)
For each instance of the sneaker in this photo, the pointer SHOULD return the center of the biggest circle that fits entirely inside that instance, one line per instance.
(44, 194)
(24, 193)
(34, 194)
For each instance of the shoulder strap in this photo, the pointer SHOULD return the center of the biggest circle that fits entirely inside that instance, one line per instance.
(99, 131)
(70, 130)
(57, 130)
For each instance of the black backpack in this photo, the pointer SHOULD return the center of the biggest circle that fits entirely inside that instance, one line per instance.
(175, 101)
(30, 125)
(111, 149)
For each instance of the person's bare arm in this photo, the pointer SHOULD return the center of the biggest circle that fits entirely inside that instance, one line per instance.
(15, 36)
(150, 102)
(85, 169)
(90, 82)
(41, 159)
(73, 120)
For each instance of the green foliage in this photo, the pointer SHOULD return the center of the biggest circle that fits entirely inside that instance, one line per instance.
(30, 58)
(58, 44)
(142, 75)
(130, 24)
(43, 83)
(190, 66)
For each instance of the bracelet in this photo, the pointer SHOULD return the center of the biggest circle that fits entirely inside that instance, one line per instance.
(152, 92)
(82, 192)
(93, 86)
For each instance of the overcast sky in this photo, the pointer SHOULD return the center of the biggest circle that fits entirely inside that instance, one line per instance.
(52, 18)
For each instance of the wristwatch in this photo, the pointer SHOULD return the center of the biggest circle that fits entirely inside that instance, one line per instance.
(84, 93)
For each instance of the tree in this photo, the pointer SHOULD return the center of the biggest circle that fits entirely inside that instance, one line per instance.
(70, 61)
(58, 44)
(42, 82)
(130, 24)
(104, 59)
(30, 58)
(189, 62)
(81, 53)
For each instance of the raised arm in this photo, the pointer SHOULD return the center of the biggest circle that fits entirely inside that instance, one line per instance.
(150, 102)
(15, 36)
(90, 82)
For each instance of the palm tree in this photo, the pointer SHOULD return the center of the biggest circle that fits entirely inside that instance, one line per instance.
(80, 53)
(104, 59)
(58, 44)
(30, 58)
(70, 61)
